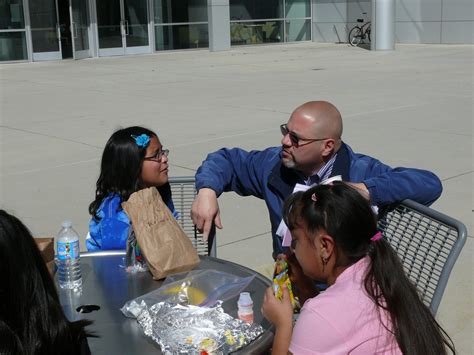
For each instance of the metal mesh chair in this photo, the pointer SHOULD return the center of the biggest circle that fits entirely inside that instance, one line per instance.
(183, 192)
(428, 244)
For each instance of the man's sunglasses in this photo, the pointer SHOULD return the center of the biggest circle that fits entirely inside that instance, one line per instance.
(295, 140)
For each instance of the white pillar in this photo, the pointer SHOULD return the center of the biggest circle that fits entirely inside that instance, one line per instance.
(383, 25)
(218, 16)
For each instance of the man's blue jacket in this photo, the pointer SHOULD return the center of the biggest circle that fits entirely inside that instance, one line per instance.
(261, 174)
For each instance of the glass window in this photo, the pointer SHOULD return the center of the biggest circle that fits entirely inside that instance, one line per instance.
(45, 40)
(81, 21)
(256, 32)
(289, 21)
(181, 36)
(298, 30)
(11, 14)
(297, 8)
(255, 9)
(169, 11)
(108, 23)
(43, 26)
(13, 46)
(136, 24)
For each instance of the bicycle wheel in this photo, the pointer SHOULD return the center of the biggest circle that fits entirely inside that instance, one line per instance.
(369, 29)
(355, 36)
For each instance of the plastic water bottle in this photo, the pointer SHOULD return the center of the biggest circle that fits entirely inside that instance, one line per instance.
(245, 307)
(68, 260)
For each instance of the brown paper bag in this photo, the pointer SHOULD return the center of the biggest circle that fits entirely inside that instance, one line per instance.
(46, 248)
(162, 241)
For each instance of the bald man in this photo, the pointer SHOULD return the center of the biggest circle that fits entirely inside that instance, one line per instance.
(311, 151)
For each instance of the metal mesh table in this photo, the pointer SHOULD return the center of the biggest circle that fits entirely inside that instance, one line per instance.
(107, 285)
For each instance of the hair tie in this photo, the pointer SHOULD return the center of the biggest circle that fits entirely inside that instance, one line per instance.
(142, 140)
(313, 197)
(376, 237)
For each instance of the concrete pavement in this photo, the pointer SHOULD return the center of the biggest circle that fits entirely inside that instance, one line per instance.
(411, 107)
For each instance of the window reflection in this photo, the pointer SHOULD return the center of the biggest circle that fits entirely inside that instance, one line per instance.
(169, 11)
(13, 46)
(12, 42)
(255, 9)
(181, 37)
(288, 21)
(256, 32)
(297, 8)
(181, 24)
(11, 15)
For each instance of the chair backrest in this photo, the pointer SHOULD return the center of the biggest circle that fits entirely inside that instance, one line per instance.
(428, 244)
(183, 192)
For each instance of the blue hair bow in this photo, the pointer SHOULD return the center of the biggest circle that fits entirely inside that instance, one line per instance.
(142, 140)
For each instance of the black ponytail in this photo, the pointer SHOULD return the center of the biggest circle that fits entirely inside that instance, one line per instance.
(414, 327)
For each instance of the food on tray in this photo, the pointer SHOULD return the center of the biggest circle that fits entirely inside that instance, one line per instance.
(208, 346)
(195, 296)
(229, 337)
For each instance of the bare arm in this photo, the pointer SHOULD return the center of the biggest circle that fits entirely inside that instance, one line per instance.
(205, 211)
(361, 188)
(280, 314)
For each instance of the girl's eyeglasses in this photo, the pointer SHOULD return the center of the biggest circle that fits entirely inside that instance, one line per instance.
(158, 155)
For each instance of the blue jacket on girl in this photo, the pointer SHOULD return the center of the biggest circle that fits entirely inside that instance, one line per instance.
(111, 229)
(261, 174)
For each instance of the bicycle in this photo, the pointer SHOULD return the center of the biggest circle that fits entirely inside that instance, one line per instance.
(359, 33)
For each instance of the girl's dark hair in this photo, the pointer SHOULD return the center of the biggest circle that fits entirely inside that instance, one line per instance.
(121, 166)
(30, 312)
(348, 218)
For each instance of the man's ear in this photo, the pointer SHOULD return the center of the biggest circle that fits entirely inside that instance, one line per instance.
(329, 146)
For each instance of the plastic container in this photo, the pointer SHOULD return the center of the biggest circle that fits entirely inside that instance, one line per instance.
(68, 260)
(245, 307)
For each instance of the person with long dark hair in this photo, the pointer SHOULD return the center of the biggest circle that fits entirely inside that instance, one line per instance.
(370, 305)
(31, 318)
(133, 159)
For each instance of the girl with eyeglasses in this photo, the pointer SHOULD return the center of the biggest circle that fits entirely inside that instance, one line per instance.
(370, 306)
(133, 159)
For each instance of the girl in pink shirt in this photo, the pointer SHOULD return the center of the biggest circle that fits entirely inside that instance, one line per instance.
(370, 307)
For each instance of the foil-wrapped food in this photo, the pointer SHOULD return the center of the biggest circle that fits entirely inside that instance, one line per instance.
(188, 329)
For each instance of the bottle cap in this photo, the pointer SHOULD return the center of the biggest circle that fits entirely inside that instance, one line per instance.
(66, 224)
(245, 299)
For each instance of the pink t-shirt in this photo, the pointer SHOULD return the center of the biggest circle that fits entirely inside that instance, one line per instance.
(343, 320)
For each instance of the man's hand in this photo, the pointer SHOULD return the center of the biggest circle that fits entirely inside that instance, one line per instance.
(205, 211)
(361, 188)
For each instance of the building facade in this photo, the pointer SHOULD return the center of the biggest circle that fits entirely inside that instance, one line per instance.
(35, 30)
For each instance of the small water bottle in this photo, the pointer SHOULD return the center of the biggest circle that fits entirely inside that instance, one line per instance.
(68, 261)
(245, 307)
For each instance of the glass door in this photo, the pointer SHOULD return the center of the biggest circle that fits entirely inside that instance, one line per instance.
(109, 25)
(45, 31)
(79, 28)
(122, 27)
(136, 27)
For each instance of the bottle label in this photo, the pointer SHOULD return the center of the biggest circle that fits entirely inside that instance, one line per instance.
(246, 317)
(68, 250)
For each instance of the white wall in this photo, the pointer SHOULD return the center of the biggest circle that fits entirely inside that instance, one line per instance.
(417, 21)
